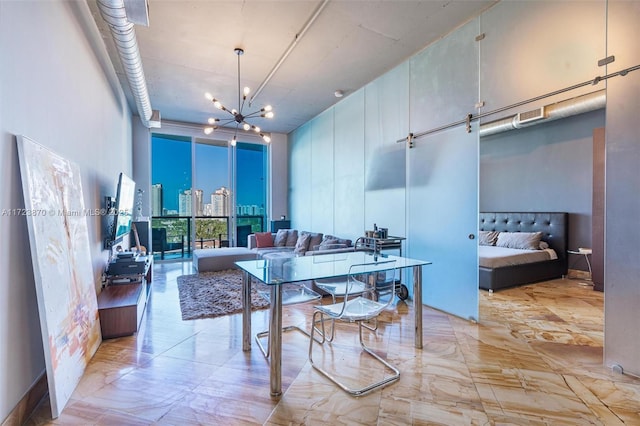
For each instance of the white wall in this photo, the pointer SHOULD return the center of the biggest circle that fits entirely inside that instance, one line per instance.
(57, 87)
(142, 163)
(278, 177)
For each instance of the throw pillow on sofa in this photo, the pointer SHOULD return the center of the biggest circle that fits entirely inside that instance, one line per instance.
(336, 240)
(303, 243)
(264, 239)
(292, 238)
(280, 239)
(329, 244)
(315, 239)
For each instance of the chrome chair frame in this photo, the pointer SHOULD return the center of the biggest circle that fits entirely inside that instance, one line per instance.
(336, 287)
(305, 295)
(371, 308)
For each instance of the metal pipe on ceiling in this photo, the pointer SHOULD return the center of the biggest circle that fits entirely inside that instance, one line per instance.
(505, 122)
(567, 108)
(124, 36)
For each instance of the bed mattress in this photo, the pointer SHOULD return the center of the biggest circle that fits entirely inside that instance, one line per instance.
(496, 257)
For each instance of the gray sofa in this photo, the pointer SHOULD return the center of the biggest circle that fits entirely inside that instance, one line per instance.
(289, 242)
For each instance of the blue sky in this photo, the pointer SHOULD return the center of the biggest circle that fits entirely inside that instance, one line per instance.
(171, 166)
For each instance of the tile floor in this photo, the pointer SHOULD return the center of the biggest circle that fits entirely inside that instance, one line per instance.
(535, 358)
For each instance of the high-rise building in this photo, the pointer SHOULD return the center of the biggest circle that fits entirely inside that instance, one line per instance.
(156, 199)
(220, 202)
(198, 202)
(184, 203)
(249, 210)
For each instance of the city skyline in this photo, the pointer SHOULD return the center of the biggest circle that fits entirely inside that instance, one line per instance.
(193, 200)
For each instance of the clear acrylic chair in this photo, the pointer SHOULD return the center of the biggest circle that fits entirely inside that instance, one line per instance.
(360, 307)
(292, 294)
(337, 289)
(333, 286)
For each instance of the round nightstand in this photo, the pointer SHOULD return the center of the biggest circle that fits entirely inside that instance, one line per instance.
(586, 252)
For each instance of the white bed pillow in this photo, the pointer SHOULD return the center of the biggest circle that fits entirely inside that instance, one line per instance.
(487, 238)
(519, 240)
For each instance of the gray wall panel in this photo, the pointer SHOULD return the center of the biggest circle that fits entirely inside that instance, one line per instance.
(321, 173)
(442, 190)
(622, 233)
(349, 167)
(300, 177)
(386, 120)
(533, 48)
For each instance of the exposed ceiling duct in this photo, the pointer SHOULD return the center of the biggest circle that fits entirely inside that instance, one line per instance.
(124, 36)
(567, 108)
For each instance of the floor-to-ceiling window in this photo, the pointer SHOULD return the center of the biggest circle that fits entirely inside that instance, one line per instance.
(212, 194)
(250, 189)
(171, 196)
(205, 193)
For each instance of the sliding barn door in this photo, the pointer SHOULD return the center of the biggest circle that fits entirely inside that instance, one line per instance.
(442, 173)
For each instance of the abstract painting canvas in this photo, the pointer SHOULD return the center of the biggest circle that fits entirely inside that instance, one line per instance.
(62, 267)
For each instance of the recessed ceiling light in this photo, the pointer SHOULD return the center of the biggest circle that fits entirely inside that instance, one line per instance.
(338, 93)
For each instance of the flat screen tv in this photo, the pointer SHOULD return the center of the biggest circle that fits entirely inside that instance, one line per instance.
(123, 208)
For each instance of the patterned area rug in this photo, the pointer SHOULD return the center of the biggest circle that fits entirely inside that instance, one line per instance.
(213, 294)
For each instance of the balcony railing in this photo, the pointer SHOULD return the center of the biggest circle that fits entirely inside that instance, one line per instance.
(171, 235)
(212, 232)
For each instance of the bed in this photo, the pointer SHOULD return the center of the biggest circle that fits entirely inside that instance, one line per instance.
(544, 263)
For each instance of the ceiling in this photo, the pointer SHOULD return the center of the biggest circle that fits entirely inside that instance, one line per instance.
(188, 49)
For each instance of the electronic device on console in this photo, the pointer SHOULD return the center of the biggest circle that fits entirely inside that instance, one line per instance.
(127, 255)
(127, 263)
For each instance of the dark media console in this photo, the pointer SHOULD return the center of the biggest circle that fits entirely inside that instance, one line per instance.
(122, 301)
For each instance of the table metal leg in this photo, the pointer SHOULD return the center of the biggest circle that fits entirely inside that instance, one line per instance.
(246, 311)
(586, 257)
(417, 304)
(275, 341)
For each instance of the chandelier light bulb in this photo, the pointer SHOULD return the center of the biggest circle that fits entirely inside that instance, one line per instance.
(246, 91)
(217, 104)
(208, 130)
(266, 138)
(212, 120)
(246, 126)
(267, 108)
(233, 141)
(256, 129)
(269, 114)
(209, 96)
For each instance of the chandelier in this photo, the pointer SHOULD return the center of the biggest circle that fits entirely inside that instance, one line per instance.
(237, 116)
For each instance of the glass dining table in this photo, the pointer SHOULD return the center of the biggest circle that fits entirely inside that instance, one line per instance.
(274, 272)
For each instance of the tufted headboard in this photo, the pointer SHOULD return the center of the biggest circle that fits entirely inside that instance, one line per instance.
(554, 226)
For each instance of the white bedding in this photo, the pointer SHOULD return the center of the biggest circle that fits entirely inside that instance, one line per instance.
(495, 257)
